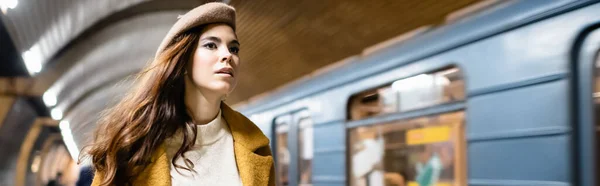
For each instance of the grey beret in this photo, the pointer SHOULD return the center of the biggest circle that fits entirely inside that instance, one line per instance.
(204, 14)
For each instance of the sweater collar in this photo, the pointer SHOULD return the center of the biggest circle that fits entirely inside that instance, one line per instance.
(212, 131)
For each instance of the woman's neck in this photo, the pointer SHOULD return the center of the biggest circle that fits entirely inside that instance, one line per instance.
(202, 105)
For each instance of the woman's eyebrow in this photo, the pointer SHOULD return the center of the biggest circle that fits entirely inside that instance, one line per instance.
(235, 41)
(218, 40)
(212, 38)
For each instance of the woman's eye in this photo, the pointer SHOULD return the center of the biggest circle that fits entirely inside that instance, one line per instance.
(234, 50)
(210, 46)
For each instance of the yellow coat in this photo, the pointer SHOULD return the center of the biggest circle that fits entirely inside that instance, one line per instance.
(252, 155)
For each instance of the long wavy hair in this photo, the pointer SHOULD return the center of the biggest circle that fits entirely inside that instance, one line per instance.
(152, 111)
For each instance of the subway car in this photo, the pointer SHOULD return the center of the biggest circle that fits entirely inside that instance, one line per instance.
(505, 96)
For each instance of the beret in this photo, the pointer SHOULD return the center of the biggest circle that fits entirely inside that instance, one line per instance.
(208, 13)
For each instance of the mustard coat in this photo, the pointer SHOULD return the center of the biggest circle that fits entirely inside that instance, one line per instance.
(251, 148)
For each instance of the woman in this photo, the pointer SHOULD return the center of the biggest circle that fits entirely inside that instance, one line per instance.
(172, 128)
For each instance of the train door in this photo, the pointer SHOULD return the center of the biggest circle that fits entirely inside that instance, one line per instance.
(587, 92)
(294, 148)
(409, 132)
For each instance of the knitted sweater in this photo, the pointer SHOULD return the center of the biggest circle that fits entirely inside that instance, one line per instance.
(212, 155)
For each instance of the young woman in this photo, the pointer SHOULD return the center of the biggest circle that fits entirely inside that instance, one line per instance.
(172, 128)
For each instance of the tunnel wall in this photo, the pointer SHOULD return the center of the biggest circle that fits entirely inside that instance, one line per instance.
(13, 130)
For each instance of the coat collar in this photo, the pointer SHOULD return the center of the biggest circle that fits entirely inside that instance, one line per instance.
(244, 131)
(251, 146)
(252, 155)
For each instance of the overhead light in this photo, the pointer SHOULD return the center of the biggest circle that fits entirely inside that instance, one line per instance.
(65, 131)
(411, 82)
(35, 164)
(56, 114)
(49, 98)
(12, 4)
(33, 60)
(64, 125)
(448, 72)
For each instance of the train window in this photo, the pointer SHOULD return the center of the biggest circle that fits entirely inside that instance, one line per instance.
(424, 150)
(299, 126)
(282, 150)
(428, 150)
(442, 86)
(305, 150)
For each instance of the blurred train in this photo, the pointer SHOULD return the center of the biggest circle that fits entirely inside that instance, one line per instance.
(504, 96)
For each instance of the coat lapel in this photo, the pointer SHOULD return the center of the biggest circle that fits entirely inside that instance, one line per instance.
(252, 152)
(158, 173)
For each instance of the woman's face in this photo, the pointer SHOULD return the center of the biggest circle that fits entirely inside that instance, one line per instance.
(215, 63)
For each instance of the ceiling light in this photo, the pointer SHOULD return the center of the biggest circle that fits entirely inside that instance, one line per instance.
(49, 98)
(33, 60)
(56, 114)
(12, 4)
(64, 125)
(35, 164)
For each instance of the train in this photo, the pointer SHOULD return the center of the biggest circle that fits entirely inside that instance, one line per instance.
(504, 96)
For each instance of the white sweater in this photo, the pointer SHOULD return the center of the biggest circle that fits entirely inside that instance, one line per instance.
(213, 157)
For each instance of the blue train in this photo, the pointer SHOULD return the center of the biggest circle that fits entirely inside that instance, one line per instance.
(505, 96)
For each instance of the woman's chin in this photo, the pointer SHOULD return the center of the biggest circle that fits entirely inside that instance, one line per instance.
(222, 87)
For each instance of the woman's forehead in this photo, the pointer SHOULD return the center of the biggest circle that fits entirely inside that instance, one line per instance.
(222, 31)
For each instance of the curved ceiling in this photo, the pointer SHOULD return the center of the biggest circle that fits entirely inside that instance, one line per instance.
(50, 25)
(110, 55)
(91, 45)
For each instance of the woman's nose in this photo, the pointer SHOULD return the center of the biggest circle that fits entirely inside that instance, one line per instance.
(225, 55)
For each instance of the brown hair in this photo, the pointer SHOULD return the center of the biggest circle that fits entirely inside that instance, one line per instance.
(152, 111)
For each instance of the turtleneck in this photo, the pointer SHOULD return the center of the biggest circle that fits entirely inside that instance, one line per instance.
(212, 131)
(212, 155)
